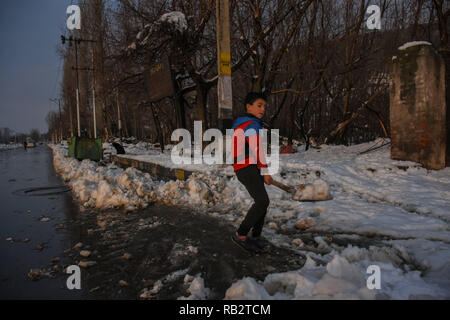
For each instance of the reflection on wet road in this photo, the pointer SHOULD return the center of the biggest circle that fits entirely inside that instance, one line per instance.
(31, 226)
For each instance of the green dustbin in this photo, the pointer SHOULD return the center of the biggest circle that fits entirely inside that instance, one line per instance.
(86, 148)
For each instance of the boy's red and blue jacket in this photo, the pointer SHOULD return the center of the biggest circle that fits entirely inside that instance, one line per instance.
(246, 142)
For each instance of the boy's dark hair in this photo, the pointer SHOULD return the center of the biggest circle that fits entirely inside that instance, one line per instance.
(253, 96)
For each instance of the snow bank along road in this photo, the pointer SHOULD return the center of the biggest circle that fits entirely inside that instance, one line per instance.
(393, 214)
(10, 146)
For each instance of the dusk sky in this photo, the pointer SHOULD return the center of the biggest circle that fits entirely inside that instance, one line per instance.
(30, 68)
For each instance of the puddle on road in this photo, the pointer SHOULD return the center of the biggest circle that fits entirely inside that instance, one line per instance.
(166, 244)
(27, 226)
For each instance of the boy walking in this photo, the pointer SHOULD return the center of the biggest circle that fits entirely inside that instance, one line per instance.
(249, 158)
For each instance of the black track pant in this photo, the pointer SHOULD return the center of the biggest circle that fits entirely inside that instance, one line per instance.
(253, 181)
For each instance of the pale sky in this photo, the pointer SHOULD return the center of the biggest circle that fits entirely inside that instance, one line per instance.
(30, 69)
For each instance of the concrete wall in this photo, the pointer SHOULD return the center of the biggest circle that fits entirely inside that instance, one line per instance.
(445, 53)
(157, 171)
(417, 107)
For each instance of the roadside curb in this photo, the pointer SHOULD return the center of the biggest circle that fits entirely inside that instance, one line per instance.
(154, 169)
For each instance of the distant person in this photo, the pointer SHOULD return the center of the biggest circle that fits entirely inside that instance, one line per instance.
(119, 148)
(25, 145)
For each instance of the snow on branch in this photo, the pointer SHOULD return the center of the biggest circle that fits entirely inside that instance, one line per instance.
(175, 18)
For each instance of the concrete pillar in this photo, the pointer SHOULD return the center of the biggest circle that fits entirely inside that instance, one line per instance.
(417, 106)
(445, 53)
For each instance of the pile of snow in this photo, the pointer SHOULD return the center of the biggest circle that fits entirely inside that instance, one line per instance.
(413, 44)
(10, 146)
(109, 186)
(318, 190)
(140, 148)
(196, 289)
(339, 279)
(102, 187)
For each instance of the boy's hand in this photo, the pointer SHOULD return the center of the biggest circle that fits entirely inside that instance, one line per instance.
(268, 179)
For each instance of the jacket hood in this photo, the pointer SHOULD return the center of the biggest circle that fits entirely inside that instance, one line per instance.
(244, 118)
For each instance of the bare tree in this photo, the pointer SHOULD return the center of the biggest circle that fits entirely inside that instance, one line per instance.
(323, 71)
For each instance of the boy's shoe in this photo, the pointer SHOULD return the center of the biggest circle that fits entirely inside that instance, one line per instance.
(246, 244)
(261, 243)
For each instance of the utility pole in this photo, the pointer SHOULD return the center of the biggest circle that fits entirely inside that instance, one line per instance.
(70, 119)
(77, 90)
(225, 96)
(60, 119)
(77, 41)
(119, 121)
(93, 94)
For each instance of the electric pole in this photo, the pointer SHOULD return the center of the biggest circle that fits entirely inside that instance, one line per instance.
(224, 91)
(70, 119)
(93, 94)
(60, 120)
(76, 41)
(77, 90)
(119, 121)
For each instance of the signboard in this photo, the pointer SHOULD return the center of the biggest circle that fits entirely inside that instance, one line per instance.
(159, 81)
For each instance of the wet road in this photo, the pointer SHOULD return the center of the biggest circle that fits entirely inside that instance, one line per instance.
(30, 225)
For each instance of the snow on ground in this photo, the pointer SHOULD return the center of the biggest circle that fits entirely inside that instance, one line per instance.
(102, 186)
(401, 207)
(339, 279)
(196, 289)
(10, 146)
